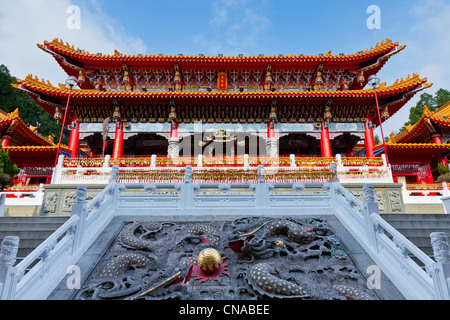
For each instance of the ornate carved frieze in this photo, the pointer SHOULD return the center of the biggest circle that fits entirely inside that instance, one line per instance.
(243, 259)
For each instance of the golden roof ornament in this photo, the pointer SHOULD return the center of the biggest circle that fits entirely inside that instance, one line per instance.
(58, 114)
(385, 113)
(361, 78)
(14, 114)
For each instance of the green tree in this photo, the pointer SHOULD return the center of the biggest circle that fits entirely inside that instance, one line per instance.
(433, 103)
(378, 140)
(29, 111)
(8, 171)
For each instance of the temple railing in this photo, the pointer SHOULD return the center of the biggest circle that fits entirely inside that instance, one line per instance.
(21, 196)
(57, 256)
(424, 193)
(40, 271)
(203, 161)
(289, 169)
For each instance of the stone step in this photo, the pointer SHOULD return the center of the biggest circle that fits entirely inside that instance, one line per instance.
(32, 231)
(421, 232)
(418, 227)
(28, 234)
(33, 219)
(415, 217)
(13, 226)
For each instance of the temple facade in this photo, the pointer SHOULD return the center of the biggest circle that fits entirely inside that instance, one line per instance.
(215, 106)
(415, 152)
(33, 154)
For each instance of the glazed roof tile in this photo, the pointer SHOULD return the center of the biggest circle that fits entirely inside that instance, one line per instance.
(73, 60)
(58, 46)
(25, 132)
(34, 83)
(396, 95)
(36, 148)
(439, 118)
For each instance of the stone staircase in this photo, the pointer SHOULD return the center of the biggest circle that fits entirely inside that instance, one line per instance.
(32, 231)
(417, 227)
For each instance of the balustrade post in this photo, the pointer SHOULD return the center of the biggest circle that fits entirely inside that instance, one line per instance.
(293, 164)
(2, 204)
(246, 164)
(153, 161)
(338, 160)
(262, 189)
(79, 209)
(114, 172)
(371, 207)
(200, 161)
(57, 171)
(187, 189)
(260, 173)
(445, 192)
(106, 161)
(440, 271)
(383, 156)
(40, 193)
(8, 273)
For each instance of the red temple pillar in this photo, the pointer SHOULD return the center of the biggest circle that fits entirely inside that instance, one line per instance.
(174, 130)
(270, 130)
(6, 141)
(369, 140)
(436, 138)
(325, 144)
(74, 141)
(118, 141)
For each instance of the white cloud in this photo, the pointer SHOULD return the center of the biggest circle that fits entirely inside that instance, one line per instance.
(432, 40)
(25, 23)
(427, 53)
(236, 26)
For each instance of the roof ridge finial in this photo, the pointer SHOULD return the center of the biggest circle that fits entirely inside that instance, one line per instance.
(408, 127)
(14, 114)
(426, 110)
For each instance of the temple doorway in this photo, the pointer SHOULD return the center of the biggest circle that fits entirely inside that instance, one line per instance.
(222, 143)
(145, 144)
(299, 144)
(344, 144)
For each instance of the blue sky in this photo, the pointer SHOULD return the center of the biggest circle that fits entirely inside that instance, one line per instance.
(231, 27)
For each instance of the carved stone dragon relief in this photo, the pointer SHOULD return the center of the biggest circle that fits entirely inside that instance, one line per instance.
(250, 258)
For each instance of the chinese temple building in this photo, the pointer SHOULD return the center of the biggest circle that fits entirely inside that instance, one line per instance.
(33, 154)
(187, 154)
(415, 152)
(170, 106)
